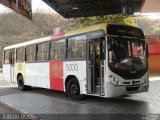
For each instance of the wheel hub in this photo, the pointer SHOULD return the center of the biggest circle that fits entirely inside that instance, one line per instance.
(74, 89)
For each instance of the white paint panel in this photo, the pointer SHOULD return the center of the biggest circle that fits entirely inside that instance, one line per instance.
(6, 72)
(37, 74)
(78, 69)
(29, 42)
(12, 74)
(83, 87)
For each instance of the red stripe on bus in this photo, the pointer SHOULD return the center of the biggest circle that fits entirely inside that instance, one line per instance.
(56, 75)
(58, 36)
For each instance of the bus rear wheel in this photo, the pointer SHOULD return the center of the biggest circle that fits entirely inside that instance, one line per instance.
(21, 85)
(73, 90)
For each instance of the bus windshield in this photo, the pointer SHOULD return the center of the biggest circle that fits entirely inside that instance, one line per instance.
(127, 55)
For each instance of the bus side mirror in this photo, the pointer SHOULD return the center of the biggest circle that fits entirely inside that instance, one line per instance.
(109, 45)
(147, 53)
(102, 49)
(10, 58)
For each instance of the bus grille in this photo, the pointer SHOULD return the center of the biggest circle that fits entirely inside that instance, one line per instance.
(129, 89)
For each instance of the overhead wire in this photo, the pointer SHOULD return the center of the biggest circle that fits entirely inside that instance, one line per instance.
(37, 11)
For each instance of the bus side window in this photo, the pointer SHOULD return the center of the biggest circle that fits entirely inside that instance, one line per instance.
(20, 54)
(57, 51)
(31, 53)
(43, 51)
(76, 48)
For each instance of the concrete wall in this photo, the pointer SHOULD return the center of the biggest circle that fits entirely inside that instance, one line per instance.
(154, 59)
(154, 63)
(150, 6)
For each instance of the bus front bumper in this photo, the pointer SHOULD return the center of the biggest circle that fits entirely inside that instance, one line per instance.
(114, 91)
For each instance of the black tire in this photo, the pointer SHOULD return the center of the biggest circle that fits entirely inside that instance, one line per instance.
(21, 85)
(73, 90)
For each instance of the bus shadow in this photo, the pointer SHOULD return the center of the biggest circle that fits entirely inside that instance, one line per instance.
(61, 94)
(119, 105)
(123, 104)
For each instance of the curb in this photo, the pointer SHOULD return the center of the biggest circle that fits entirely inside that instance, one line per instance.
(26, 114)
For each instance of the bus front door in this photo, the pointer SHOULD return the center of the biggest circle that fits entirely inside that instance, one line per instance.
(12, 63)
(95, 68)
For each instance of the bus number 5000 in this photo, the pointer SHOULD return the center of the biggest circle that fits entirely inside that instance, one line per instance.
(71, 67)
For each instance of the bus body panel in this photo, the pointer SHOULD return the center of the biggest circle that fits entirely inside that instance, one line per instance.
(20, 69)
(37, 74)
(77, 69)
(56, 75)
(6, 72)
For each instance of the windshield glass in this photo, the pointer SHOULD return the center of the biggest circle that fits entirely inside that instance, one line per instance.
(126, 54)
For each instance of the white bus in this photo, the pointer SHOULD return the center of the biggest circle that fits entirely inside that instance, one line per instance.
(104, 60)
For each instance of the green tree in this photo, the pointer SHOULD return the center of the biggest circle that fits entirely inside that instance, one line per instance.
(149, 26)
(156, 30)
(118, 19)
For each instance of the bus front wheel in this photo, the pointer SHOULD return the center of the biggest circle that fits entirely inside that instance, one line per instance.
(73, 89)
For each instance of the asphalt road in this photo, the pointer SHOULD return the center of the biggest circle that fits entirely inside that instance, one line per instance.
(48, 104)
(5, 110)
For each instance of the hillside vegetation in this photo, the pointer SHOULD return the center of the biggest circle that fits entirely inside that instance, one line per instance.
(15, 28)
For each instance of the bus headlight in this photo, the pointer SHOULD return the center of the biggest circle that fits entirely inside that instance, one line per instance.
(116, 82)
(113, 80)
(147, 80)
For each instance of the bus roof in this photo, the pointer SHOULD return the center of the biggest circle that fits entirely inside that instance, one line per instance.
(87, 29)
(70, 33)
(29, 42)
(74, 32)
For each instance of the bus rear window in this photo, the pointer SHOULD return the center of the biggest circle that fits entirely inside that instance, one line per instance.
(6, 57)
